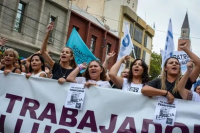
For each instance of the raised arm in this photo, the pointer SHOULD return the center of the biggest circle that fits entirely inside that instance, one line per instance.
(196, 71)
(181, 84)
(118, 81)
(107, 59)
(43, 49)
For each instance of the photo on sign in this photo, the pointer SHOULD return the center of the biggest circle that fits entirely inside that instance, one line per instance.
(164, 112)
(74, 97)
(134, 89)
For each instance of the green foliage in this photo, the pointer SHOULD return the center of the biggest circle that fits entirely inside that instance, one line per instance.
(155, 65)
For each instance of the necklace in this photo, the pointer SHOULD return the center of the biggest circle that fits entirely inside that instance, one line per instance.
(63, 75)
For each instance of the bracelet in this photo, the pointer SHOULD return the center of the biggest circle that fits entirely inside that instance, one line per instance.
(166, 93)
(80, 67)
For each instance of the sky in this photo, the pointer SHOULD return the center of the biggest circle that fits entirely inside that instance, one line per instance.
(160, 11)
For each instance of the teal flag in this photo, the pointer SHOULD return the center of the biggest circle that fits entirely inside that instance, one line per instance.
(80, 49)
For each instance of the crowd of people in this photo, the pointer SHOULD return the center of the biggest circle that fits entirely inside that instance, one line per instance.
(170, 84)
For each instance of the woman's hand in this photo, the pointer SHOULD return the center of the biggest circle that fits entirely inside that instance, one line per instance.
(88, 84)
(61, 80)
(170, 97)
(50, 27)
(6, 72)
(28, 75)
(183, 46)
(82, 66)
(124, 58)
(109, 56)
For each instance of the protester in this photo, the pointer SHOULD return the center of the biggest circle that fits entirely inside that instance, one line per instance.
(185, 93)
(18, 64)
(10, 57)
(171, 73)
(3, 41)
(197, 87)
(2, 62)
(94, 75)
(138, 75)
(125, 73)
(36, 67)
(66, 63)
(24, 67)
(48, 71)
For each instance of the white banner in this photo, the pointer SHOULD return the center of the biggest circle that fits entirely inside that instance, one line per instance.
(36, 105)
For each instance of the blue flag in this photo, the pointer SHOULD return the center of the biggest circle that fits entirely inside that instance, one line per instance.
(80, 49)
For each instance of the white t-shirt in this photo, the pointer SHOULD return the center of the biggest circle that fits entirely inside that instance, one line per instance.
(81, 80)
(195, 97)
(38, 74)
(131, 86)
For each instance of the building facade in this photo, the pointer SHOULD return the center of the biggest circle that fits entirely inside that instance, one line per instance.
(107, 11)
(114, 14)
(99, 40)
(140, 32)
(23, 23)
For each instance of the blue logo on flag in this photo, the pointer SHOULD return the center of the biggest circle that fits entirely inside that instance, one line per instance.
(126, 41)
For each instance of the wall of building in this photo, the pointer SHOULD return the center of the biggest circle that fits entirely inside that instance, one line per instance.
(94, 7)
(141, 34)
(35, 19)
(107, 11)
(87, 29)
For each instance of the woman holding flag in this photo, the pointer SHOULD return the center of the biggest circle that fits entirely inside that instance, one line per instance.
(171, 73)
(138, 75)
(66, 63)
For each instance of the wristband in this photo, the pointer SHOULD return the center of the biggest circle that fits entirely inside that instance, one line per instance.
(80, 67)
(166, 93)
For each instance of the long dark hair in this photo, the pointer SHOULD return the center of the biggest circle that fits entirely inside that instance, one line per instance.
(145, 75)
(41, 59)
(102, 75)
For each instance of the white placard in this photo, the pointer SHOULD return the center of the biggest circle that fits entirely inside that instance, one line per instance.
(75, 96)
(183, 59)
(165, 113)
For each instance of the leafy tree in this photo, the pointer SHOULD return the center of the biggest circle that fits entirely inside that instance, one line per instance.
(155, 65)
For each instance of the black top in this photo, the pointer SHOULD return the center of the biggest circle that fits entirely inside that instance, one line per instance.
(59, 72)
(156, 83)
(112, 84)
(2, 69)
